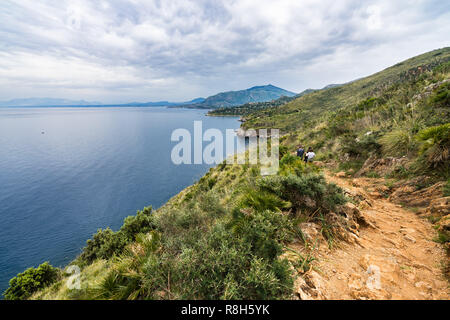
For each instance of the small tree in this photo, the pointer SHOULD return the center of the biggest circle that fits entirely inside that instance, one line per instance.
(31, 280)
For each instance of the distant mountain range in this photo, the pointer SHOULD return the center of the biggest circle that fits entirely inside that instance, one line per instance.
(48, 102)
(237, 98)
(224, 99)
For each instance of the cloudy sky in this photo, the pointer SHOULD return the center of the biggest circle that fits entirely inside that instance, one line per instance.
(143, 50)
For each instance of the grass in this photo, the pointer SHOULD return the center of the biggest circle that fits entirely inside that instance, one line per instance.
(446, 190)
(380, 115)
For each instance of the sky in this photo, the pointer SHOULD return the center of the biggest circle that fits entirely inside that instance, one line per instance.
(143, 50)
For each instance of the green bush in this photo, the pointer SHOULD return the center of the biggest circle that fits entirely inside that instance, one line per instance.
(103, 245)
(210, 203)
(441, 97)
(283, 150)
(398, 142)
(142, 222)
(308, 192)
(263, 200)
(238, 260)
(234, 260)
(446, 190)
(359, 147)
(435, 147)
(31, 280)
(107, 243)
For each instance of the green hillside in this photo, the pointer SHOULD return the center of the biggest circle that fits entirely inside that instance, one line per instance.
(249, 108)
(387, 114)
(225, 236)
(251, 95)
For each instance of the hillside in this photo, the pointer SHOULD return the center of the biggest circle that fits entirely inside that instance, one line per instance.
(320, 106)
(236, 98)
(378, 198)
(249, 108)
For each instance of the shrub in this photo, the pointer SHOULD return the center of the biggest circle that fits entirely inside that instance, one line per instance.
(104, 244)
(308, 192)
(398, 142)
(210, 203)
(360, 147)
(31, 280)
(446, 190)
(142, 222)
(128, 279)
(261, 201)
(283, 150)
(441, 97)
(435, 146)
(237, 260)
(107, 243)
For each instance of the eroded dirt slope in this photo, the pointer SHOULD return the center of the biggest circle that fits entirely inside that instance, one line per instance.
(394, 258)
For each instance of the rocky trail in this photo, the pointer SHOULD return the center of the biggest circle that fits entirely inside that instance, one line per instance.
(392, 257)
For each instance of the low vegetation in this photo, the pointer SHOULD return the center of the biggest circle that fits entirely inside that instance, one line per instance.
(30, 281)
(224, 237)
(403, 111)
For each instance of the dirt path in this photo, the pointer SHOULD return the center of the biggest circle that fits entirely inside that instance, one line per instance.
(397, 259)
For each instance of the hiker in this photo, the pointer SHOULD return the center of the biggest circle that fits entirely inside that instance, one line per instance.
(309, 155)
(300, 152)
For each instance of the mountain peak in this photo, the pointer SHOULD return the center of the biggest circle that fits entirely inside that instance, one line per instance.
(263, 93)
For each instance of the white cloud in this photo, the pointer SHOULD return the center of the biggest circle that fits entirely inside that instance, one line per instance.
(121, 50)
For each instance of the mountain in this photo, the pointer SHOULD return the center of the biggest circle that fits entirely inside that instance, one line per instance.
(47, 102)
(224, 99)
(323, 106)
(165, 103)
(55, 102)
(251, 95)
(255, 107)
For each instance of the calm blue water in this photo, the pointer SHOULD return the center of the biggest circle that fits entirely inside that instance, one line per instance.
(91, 168)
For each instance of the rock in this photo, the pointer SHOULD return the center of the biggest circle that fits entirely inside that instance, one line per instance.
(376, 195)
(383, 189)
(444, 228)
(410, 238)
(360, 290)
(388, 268)
(408, 195)
(311, 231)
(355, 282)
(445, 223)
(423, 285)
(381, 167)
(341, 174)
(404, 230)
(311, 287)
(310, 203)
(300, 288)
(351, 212)
(356, 183)
(320, 164)
(439, 207)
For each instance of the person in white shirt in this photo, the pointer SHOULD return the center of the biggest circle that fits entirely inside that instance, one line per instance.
(309, 155)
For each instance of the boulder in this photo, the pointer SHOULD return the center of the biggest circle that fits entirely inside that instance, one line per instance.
(382, 166)
(439, 207)
(341, 174)
(311, 231)
(408, 194)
